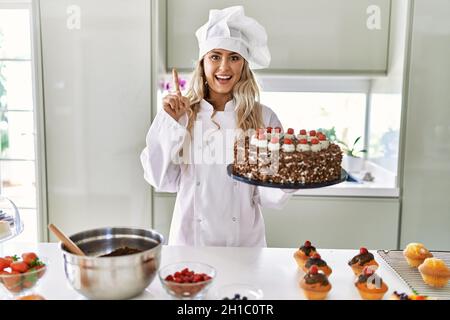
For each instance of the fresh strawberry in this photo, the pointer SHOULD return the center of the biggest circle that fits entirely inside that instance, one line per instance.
(307, 243)
(322, 137)
(303, 141)
(314, 269)
(290, 131)
(314, 141)
(12, 258)
(303, 132)
(19, 266)
(29, 258)
(4, 263)
(312, 133)
(287, 141)
(363, 251)
(269, 129)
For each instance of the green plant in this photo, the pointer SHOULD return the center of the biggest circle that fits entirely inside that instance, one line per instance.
(329, 133)
(351, 151)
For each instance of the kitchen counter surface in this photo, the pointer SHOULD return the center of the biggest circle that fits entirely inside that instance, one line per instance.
(273, 270)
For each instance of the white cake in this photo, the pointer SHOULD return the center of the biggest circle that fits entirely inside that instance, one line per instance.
(5, 230)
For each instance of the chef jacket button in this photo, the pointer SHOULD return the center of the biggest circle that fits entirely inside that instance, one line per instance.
(235, 183)
(234, 219)
(198, 183)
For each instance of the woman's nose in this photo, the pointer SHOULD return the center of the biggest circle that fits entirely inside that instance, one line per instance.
(224, 64)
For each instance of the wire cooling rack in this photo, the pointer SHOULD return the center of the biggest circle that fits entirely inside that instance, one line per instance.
(411, 276)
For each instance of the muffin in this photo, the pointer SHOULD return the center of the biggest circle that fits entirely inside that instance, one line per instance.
(362, 260)
(303, 253)
(370, 286)
(434, 272)
(416, 253)
(315, 284)
(317, 261)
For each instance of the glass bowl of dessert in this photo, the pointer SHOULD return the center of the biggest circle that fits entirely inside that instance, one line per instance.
(20, 275)
(187, 280)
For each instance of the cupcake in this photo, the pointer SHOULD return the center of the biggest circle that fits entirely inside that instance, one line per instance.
(416, 253)
(303, 253)
(434, 272)
(317, 261)
(370, 286)
(315, 284)
(362, 260)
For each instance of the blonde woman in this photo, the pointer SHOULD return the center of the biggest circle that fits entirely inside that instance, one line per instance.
(189, 143)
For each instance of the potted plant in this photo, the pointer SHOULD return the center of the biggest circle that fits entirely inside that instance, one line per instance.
(351, 161)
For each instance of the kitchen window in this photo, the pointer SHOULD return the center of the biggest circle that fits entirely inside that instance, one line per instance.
(345, 109)
(17, 128)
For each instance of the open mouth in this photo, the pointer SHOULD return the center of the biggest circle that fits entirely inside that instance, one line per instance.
(222, 79)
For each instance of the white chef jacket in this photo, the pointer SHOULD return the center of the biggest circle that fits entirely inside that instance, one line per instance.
(211, 209)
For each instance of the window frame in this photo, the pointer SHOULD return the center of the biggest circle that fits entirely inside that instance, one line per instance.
(36, 110)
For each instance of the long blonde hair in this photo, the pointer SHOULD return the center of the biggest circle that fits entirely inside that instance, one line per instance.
(245, 94)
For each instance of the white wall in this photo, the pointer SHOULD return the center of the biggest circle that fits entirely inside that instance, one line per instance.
(97, 112)
(426, 170)
(386, 92)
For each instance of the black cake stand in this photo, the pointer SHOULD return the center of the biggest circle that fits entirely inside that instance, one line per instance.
(343, 178)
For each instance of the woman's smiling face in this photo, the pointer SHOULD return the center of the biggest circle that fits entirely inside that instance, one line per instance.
(223, 70)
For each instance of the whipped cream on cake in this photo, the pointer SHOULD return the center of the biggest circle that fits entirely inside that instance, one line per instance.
(306, 158)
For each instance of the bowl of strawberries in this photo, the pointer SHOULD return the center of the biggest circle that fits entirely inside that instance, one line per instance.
(20, 275)
(187, 280)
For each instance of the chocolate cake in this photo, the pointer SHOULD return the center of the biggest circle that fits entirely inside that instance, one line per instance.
(272, 156)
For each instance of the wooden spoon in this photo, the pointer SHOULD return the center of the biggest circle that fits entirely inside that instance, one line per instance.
(70, 245)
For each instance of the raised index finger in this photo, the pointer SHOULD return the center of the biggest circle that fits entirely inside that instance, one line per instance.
(175, 81)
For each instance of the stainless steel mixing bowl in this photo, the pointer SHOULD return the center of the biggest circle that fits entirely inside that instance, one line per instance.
(119, 277)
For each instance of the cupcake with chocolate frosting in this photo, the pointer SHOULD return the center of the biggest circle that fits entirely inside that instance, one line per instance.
(370, 286)
(316, 260)
(362, 260)
(315, 284)
(303, 253)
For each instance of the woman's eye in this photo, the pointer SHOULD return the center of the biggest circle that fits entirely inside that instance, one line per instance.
(215, 57)
(235, 58)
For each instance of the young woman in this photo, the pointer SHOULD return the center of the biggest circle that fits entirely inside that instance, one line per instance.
(189, 143)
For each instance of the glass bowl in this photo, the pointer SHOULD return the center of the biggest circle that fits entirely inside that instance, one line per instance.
(16, 284)
(186, 280)
(239, 291)
(11, 224)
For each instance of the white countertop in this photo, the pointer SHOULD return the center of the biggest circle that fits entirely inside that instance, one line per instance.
(273, 270)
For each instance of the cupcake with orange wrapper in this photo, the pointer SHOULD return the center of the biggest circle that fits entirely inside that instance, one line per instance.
(316, 260)
(303, 253)
(315, 284)
(362, 260)
(434, 272)
(416, 253)
(370, 286)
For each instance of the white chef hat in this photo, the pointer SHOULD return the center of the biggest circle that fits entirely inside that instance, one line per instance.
(231, 30)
